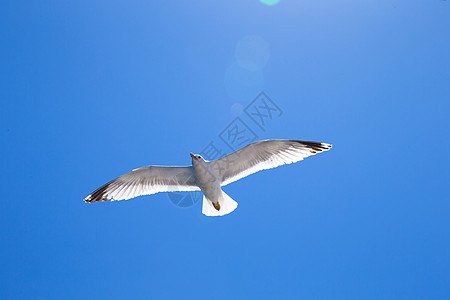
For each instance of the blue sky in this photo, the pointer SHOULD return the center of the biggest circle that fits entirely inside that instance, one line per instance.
(90, 90)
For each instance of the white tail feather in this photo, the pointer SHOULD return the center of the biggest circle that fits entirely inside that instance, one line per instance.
(227, 205)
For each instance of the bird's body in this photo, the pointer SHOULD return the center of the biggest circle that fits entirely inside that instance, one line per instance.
(209, 177)
(206, 178)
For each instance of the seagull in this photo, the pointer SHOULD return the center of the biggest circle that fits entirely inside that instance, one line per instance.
(208, 176)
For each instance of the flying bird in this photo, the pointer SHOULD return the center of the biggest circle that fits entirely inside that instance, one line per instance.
(208, 176)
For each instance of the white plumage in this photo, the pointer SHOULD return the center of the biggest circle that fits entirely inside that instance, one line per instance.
(206, 176)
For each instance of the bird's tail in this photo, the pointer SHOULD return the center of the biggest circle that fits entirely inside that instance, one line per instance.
(223, 207)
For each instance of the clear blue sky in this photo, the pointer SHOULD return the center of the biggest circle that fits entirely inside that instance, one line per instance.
(90, 90)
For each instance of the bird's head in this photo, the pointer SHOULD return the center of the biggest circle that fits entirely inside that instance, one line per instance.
(196, 157)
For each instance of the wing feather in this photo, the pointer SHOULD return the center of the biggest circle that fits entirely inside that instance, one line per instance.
(264, 155)
(146, 181)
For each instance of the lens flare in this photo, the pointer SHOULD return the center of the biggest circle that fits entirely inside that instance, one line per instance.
(252, 52)
(269, 2)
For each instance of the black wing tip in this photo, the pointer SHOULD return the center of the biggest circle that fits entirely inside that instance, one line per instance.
(89, 199)
(315, 147)
(98, 195)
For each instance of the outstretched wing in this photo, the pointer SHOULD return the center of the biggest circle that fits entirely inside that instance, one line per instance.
(146, 181)
(263, 155)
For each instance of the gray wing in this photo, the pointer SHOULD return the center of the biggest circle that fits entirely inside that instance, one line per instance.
(146, 181)
(263, 155)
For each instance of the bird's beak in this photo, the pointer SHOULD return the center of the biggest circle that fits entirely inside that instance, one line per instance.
(192, 155)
